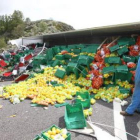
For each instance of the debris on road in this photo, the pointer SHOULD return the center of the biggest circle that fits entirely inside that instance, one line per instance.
(13, 116)
(1, 106)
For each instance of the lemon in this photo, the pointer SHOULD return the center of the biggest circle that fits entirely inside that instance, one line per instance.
(53, 128)
(64, 136)
(53, 132)
(58, 131)
(52, 137)
(49, 132)
(92, 101)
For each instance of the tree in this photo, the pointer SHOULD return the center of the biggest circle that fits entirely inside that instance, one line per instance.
(2, 24)
(2, 43)
(18, 31)
(16, 19)
(9, 23)
(35, 29)
(42, 26)
(27, 21)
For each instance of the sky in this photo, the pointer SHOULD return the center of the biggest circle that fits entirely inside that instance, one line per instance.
(80, 14)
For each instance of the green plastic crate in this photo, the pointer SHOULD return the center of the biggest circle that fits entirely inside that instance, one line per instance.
(122, 50)
(124, 90)
(38, 71)
(72, 46)
(114, 60)
(50, 128)
(109, 85)
(85, 50)
(126, 41)
(129, 58)
(86, 97)
(36, 64)
(106, 59)
(59, 57)
(92, 45)
(56, 50)
(91, 59)
(76, 51)
(108, 69)
(122, 68)
(84, 60)
(63, 47)
(67, 49)
(41, 59)
(74, 116)
(38, 137)
(123, 76)
(49, 63)
(80, 46)
(114, 48)
(17, 57)
(72, 68)
(49, 54)
(74, 59)
(56, 62)
(90, 49)
(83, 71)
(67, 56)
(60, 73)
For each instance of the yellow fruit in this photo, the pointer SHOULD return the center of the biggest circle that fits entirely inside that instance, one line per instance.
(48, 135)
(49, 132)
(53, 132)
(58, 131)
(53, 128)
(64, 136)
(92, 101)
(90, 113)
(52, 137)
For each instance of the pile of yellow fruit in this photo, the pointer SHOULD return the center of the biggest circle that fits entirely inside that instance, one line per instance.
(109, 94)
(80, 81)
(40, 91)
(124, 84)
(56, 132)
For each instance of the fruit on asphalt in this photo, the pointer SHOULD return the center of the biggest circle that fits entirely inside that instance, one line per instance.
(88, 112)
(92, 101)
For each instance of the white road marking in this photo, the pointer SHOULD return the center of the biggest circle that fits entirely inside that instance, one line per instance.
(119, 122)
(138, 125)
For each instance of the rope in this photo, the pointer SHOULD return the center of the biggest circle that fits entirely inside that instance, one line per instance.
(113, 128)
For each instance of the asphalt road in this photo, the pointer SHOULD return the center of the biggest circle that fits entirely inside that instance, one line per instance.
(30, 121)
